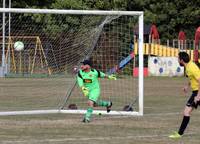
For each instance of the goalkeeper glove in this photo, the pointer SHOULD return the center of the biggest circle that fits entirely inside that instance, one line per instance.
(85, 91)
(112, 77)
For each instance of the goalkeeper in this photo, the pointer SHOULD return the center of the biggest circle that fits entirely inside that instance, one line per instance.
(88, 82)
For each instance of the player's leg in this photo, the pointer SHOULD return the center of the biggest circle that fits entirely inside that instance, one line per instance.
(102, 103)
(92, 102)
(107, 104)
(186, 116)
(185, 121)
(187, 112)
(89, 112)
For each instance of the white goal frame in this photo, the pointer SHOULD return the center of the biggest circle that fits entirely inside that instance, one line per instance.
(86, 12)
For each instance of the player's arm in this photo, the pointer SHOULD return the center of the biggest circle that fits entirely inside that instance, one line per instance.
(81, 85)
(186, 87)
(198, 95)
(197, 77)
(103, 75)
(111, 77)
(80, 81)
(197, 98)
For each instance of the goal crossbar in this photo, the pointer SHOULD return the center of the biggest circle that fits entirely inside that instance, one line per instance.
(75, 12)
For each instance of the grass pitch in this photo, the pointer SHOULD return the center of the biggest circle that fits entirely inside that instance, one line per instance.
(163, 105)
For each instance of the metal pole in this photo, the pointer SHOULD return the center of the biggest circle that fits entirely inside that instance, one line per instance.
(9, 38)
(141, 66)
(3, 41)
(9, 19)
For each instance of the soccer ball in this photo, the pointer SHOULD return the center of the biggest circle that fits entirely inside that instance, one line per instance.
(75, 69)
(18, 45)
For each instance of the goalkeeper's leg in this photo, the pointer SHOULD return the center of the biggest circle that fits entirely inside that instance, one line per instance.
(92, 100)
(88, 114)
(107, 104)
(95, 96)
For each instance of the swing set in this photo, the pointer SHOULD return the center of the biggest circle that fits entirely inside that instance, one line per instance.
(30, 60)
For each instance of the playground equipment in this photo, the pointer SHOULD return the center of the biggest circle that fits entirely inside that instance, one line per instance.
(196, 51)
(161, 50)
(154, 48)
(28, 61)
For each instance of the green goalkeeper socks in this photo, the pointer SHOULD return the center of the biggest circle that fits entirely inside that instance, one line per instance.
(103, 103)
(89, 113)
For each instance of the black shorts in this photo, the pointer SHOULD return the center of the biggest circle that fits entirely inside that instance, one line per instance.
(190, 102)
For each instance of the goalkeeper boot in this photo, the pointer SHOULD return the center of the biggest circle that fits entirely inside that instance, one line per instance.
(86, 120)
(175, 135)
(108, 108)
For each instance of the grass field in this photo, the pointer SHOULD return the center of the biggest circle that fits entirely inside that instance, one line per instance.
(163, 105)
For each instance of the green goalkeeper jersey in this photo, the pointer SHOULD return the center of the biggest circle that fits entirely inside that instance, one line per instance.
(89, 79)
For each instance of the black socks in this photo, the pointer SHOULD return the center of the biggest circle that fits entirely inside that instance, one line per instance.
(184, 124)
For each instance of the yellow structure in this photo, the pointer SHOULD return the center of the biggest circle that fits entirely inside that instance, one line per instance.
(31, 60)
(161, 50)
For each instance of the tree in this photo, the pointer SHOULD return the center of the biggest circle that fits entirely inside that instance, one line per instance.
(169, 16)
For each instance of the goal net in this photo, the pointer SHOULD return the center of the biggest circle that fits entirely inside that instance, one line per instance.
(41, 78)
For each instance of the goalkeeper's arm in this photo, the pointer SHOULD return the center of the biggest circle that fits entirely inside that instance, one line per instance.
(111, 77)
(80, 81)
(81, 85)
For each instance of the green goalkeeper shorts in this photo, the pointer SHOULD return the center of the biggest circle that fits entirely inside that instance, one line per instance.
(94, 95)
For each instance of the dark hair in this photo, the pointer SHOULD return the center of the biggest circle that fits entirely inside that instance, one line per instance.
(87, 62)
(184, 56)
(198, 64)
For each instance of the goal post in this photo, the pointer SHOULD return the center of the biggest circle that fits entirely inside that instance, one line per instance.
(48, 66)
